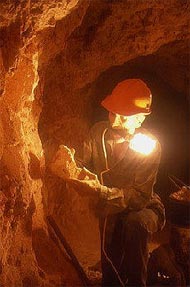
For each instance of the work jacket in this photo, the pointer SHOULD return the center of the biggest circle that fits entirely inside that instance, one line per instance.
(127, 182)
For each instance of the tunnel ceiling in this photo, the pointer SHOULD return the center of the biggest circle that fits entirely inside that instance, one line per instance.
(114, 32)
(83, 32)
(53, 54)
(109, 36)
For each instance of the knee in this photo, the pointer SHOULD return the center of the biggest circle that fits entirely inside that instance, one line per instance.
(142, 221)
(134, 224)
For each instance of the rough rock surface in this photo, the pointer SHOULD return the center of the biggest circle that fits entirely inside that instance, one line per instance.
(51, 56)
(64, 165)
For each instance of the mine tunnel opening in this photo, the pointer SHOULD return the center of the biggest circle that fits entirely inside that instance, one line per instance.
(169, 119)
(70, 108)
(68, 114)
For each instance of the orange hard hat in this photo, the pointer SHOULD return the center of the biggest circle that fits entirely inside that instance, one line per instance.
(129, 97)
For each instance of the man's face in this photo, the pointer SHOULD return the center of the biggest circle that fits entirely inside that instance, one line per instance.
(128, 123)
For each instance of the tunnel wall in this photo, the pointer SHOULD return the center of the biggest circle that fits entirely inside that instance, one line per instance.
(51, 53)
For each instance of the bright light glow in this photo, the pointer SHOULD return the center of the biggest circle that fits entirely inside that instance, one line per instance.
(142, 144)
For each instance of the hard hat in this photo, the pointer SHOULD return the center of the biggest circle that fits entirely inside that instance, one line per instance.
(129, 97)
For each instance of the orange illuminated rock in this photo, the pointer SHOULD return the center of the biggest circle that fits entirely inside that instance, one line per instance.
(56, 65)
(64, 166)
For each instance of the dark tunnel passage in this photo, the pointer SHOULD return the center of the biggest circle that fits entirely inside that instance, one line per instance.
(73, 114)
(169, 120)
(68, 114)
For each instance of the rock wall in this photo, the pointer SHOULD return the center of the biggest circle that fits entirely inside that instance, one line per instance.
(51, 55)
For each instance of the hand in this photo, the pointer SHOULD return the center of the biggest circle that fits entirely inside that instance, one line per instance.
(85, 187)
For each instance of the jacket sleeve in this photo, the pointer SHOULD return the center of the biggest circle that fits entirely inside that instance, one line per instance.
(138, 194)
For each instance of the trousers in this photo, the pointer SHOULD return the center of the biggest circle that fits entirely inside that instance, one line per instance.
(126, 254)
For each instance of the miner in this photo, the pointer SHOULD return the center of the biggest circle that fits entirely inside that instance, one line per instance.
(125, 158)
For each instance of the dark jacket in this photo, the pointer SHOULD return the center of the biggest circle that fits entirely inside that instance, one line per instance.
(128, 182)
